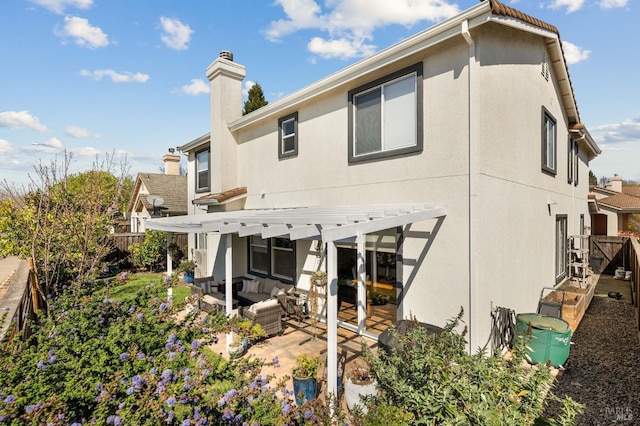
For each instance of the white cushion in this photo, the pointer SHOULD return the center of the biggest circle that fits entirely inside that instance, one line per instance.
(253, 286)
(275, 291)
(245, 285)
(213, 286)
(280, 292)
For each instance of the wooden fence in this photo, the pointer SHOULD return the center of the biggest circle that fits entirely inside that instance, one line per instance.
(122, 241)
(30, 304)
(613, 252)
(634, 267)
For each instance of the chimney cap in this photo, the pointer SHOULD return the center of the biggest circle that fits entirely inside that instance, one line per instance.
(226, 54)
(172, 150)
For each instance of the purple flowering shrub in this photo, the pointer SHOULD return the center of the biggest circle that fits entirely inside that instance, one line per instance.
(96, 360)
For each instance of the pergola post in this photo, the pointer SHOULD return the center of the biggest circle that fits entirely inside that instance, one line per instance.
(361, 267)
(332, 319)
(169, 256)
(228, 280)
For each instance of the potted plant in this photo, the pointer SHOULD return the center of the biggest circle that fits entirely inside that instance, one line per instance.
(359, 382)
(248, 332)
(236, 347)
(187, 267)
(305, 374)
(319, 278)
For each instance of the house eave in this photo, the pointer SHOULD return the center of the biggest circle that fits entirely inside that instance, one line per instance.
(199, 141)
(429, 37)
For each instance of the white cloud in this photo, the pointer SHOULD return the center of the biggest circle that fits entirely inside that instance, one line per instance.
(84, 34)
(626, 131)
(176, 34)
(58, 6)
(610, 4)
(5, 147)
(78, 132)
(574, 54)
(350, 23)
(87, 151)
(21, 120)
(246, 86)
(571, 5)
(127, 77)
(197, 87)
(339, 48)
(51, 145)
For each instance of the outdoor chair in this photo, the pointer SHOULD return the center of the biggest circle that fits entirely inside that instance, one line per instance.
(268, 314)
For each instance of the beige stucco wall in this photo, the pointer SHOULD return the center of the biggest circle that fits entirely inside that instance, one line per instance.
(515, 204)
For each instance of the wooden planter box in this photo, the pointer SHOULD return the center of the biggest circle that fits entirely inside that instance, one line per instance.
(576, 301)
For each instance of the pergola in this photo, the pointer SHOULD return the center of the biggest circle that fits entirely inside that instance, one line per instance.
(328, 224)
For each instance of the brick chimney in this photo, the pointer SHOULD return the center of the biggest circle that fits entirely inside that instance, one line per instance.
(171, 163)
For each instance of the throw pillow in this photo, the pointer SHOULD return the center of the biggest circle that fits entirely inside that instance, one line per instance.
(253, 286)
(245, 285)
(275, 291)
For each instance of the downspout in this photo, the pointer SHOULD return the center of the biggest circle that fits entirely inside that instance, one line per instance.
(473, 311)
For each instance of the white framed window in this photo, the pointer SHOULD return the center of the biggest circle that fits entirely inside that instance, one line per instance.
(561, 247)
(288, 139)
(385, 116)
(549, 148)
(202, 170)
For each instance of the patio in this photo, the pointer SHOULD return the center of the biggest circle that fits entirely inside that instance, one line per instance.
(300, 337)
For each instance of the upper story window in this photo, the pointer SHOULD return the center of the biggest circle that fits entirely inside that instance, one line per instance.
(288, 136)
(202, 171)
(549, 155)
(573, 155)
(385, 116)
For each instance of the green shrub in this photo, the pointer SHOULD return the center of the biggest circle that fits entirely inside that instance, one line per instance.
(435, 380)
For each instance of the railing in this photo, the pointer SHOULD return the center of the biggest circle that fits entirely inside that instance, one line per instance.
(24, 311)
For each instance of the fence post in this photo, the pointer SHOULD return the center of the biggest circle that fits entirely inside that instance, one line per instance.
(33, 284)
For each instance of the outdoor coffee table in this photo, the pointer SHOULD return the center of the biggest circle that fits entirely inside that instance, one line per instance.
(218, 303)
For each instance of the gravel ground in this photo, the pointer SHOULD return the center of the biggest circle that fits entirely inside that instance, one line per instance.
(603, 369)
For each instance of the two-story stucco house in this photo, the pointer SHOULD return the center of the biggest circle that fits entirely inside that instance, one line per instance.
(459, 151)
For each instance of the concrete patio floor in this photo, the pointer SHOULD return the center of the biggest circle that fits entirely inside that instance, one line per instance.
(298, 338)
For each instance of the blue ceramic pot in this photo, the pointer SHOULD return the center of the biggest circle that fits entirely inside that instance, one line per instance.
(304, 389)
(188, 277)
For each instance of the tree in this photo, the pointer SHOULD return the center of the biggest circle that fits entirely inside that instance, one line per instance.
(593, 179)
(151, 251)
(255, 99)
(62, 221)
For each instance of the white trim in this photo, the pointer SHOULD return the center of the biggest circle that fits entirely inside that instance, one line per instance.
(330, 223)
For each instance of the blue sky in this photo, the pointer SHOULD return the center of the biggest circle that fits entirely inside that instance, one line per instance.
(127, 78)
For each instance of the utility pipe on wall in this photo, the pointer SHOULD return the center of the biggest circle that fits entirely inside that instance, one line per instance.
(473, 294)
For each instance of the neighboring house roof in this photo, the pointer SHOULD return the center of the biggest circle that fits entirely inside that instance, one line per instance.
(601, 193)
(221, 197)
(485, 11)
(631, 190)
(171, 188)
(623, 202)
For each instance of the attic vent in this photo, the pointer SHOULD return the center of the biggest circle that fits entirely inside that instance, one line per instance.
(226, 54)
(545, 67)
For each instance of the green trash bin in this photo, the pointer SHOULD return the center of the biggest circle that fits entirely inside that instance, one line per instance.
(550, 338)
